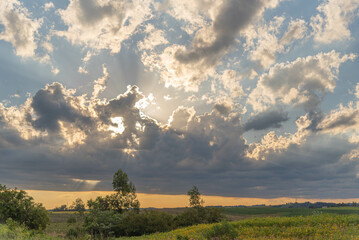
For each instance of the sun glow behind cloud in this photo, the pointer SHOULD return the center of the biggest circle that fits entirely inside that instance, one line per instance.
(120, 128)
(181, 93)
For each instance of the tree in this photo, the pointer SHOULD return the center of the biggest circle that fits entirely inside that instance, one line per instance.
(122, 200)
(78, 205)
(20, 207)
(195, 200)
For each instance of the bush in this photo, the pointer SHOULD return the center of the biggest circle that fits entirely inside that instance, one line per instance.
(223, 231)
(71, 220)
(112, 224)
(77, 233)
(20, 207)
(198, 215)
(103, 223)
(146, 223)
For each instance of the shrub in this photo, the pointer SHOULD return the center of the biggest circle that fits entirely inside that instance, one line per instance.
(103, 223)
(77, 233)
(146, 223)
(71, 220)
(198, 215)
(17, 205)
(223, 231)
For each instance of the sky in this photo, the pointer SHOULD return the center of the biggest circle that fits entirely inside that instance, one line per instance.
(242, 98)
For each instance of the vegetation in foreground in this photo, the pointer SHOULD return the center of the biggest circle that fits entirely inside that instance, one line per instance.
(321, 226)
(119, 215)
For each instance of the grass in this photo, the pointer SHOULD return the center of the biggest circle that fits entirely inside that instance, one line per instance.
(255, 223)
(59, 225)
(21, 233)
(321, 226)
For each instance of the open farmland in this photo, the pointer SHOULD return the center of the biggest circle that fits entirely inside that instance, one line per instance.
(320, 226)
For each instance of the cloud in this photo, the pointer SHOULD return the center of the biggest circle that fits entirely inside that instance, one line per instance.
(263, 41)
(103, 24)
(100, 83)
(296, 30)
(180, 118)
(186, 68)
(20, 28)
(342, 121)
(78, 145)
(302, 82)
(233, 17)
(357, 90)
(271, 143)
(230, 80)
(48, 6)
(265, 120)
(332, 21)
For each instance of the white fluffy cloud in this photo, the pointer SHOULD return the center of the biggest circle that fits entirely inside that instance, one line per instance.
(20, 28)
(301, 82)
(333, 20)
(263, 41)
(272, 143)
(344, 120)
(100, 83)
(103, 24)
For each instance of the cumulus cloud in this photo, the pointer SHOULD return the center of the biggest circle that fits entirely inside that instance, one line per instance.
(230, 80)
(77, 140)
(333, 20)
(344, 120)
(48, 6)
(357, 90)
(272, 143)
(263, 41)
(180, 117)
(302, 82)
(103, 24)
(100, 83)
(296, 30)
(20, 28)
(186, 68)
(233, 17)
(267, 119)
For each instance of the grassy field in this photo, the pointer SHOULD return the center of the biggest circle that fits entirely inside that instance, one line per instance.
(321, 226)
(251, 223)
(235, 213)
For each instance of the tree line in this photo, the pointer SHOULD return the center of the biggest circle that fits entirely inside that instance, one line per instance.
(113, 215)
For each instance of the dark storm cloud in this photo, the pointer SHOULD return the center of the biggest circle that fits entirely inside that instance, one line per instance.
(267, 119)
(210, 153)
(51, 105)
(234, 16)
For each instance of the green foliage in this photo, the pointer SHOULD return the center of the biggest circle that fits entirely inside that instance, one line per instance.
(193, 216)
(146, 223)
(180, 237)
(110, 223)
(17, 205)
(14, 230)
(77, 233)
(78, 205)
(61, 208)
(122, 200)
(320, 227)
(223, 231)
(103, 223)
(71, 220)
(195, 197)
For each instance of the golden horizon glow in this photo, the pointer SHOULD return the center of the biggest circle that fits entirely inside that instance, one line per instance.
(52, 199)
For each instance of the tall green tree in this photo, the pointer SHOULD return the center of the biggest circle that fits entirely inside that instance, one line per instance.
(122, 200)
(20, 207)
(195, 198)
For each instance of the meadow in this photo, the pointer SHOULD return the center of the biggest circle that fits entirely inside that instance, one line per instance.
(254, 223)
